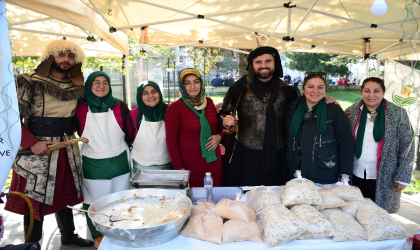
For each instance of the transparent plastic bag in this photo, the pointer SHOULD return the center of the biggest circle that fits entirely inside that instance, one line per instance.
(379, 225)
(327, 212)
(319, 226)
(353, 206)
(330, 200)
(300, 191)
(251, 215)
(237, 230)
(205, 208)
(346, 227)
(207, 227)
(259, 197)
(280, 225)
(345, 191)
(234, 210)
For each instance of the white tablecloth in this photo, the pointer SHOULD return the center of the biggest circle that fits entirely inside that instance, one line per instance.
(187, 243)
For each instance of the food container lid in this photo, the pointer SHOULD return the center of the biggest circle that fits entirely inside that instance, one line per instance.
(162, 178)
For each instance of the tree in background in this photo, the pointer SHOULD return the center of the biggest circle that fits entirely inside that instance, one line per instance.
(227, 63)
(204, 59)
(313, 62)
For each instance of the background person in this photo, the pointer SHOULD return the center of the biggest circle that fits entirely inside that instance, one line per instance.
(384, 149)
(328, 156)
(105, 159)
(217, 81)
(149, 149)
(192, 135)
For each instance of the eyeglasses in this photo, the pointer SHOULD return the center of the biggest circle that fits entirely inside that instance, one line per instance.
(321, 74)
(97, 83)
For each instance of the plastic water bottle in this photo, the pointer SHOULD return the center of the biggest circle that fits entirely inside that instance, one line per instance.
(208, 181)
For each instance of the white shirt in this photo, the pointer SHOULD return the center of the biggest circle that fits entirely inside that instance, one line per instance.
(368, 158)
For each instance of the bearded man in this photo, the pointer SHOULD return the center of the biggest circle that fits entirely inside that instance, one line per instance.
(260, 99)
(52, 180)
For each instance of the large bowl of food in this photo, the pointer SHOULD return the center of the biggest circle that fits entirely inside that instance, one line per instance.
(156, 216)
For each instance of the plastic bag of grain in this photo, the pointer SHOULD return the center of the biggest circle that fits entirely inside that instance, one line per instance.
(327, 212)
(205, 208)
(233, 210)
(207, 227)
(300, 191)
(345, 191)
(237, 230)
(346, 227)
(280, 225)
(319, 226)
(379, 225)
(259, 197)
(353, 206)
(330, 200)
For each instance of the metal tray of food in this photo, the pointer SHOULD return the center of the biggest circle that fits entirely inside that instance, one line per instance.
(161, 178)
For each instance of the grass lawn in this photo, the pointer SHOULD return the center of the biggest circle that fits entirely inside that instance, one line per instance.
(345, 98)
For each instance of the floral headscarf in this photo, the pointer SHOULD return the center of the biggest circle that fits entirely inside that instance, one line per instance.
(198, 102)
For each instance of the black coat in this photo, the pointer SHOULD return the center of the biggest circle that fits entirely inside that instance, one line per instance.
(321, 163)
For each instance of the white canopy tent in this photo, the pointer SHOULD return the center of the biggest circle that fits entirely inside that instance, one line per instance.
(35, 23)
(318, 26)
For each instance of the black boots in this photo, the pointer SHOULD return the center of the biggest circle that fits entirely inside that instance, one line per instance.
(65, 224)
(67, 239)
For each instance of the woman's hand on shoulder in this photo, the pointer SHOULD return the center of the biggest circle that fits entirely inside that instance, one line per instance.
(329, 100)
(214, 140)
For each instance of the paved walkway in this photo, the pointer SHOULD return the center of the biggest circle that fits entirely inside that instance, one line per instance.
(408, 217)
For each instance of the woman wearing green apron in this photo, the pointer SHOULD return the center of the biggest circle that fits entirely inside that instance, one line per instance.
(103, 119)
(149, 147)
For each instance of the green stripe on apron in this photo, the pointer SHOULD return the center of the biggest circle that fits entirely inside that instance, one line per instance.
(105, 169)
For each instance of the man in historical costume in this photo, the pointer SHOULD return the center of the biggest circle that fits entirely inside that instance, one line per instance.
(51, 179)
(260, 99)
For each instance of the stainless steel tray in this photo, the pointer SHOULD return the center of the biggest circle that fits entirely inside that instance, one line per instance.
(139, 237)
(162, 178)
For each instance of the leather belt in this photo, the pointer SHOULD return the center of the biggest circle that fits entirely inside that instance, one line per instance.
(50, 126)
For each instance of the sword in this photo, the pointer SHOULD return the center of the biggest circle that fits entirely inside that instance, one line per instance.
(56, 146)
(67, 143)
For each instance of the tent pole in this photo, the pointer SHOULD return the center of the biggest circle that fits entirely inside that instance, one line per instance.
(50, 33)
(378, 66)
(387, 47)
(304, 17)
(97, 11)
(127, 81)
(141, 56)
(289, 20)
(367, 68)
(155, 23)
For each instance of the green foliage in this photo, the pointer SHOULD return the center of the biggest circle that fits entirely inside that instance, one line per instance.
(204, 58)
(8, 180)
(227, 63)
(413, 188)
(26, 63)
(313, 62)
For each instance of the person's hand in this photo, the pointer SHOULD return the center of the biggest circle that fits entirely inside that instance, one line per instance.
(329, 100)
(41, 148)
(213, 142)
(229, 121)
(399, 186)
